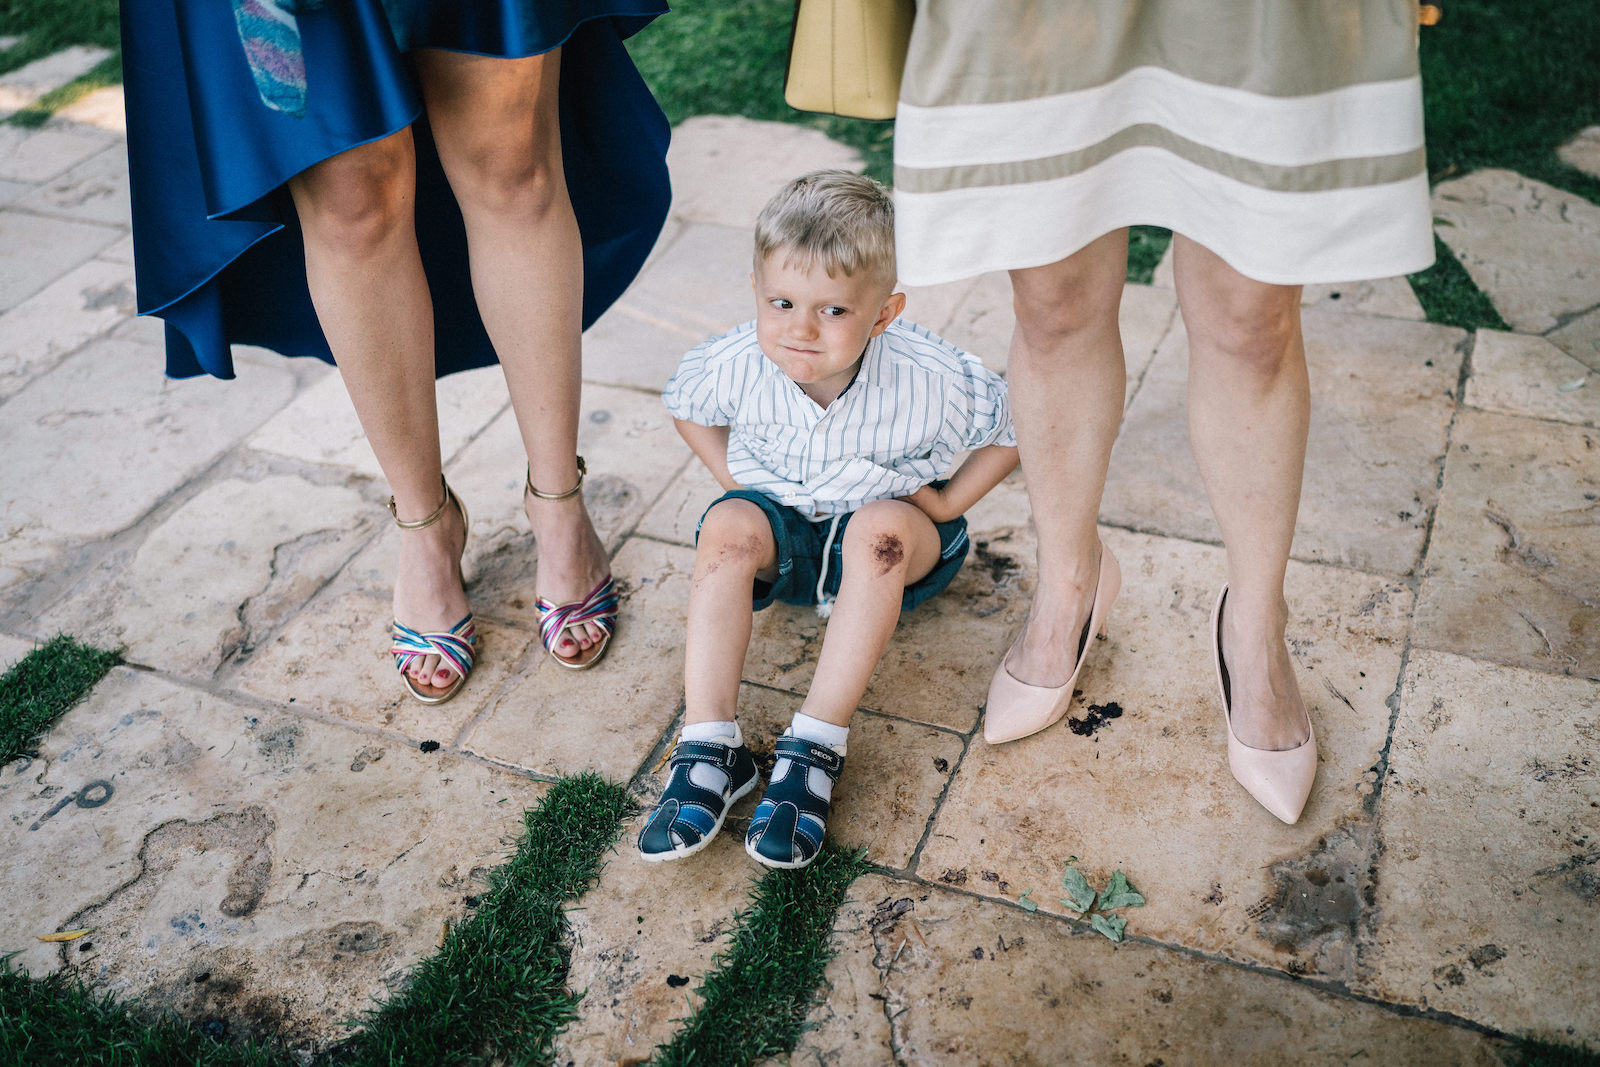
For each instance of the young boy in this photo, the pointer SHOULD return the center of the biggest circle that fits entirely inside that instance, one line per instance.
(828, 423)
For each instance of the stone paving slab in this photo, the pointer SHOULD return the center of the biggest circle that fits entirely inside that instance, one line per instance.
(359, 684)
(695, 288)
(1520, 375)
(930, 976)
(1513, 570)
(102, 108)
(1121, 796)
(219, 574)
(1580, 339)
(553, 720)
(1488, 887)
(162, 434)
(255, 867)
(642, 938)
(34, 156)
(320, 426)
(57, 246)
(95, 190)
(1533, 249)
(62, 317)
(13, 649)
(21, 87)
(1583, 151)
(707, 150)
(1370, 475)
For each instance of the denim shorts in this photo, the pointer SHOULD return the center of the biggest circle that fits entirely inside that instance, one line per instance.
(800, 549)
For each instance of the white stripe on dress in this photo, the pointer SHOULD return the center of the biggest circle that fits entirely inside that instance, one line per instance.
(1374, 119)
(1282, 238)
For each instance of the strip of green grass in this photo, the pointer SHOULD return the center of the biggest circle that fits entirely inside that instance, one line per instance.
(1448, 295)
(496, 993)
(757, 994)
(1543, 1054)
(47, 26)
(56, 1022)
(40, 688)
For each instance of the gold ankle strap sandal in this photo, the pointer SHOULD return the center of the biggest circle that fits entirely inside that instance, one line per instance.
(454, 646)
(574, 491)
(598, 609)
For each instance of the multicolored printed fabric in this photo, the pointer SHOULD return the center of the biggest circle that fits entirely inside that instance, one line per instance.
(270, 34)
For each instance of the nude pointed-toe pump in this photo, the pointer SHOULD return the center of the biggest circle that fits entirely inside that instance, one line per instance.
(1016, 709)
(1280, 781)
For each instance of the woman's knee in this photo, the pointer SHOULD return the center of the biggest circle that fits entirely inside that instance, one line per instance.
(357, 200)
(508, 169)
(1257, 331)
(1058, 303)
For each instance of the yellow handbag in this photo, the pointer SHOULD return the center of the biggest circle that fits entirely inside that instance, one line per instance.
(846, 56)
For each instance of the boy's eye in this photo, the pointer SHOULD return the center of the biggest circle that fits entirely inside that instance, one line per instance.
(780, 303)
(834, 310)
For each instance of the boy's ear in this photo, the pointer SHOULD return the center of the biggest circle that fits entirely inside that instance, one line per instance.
(890, 311)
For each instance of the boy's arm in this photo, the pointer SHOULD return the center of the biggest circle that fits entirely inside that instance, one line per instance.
(984, 469)
(710, 443)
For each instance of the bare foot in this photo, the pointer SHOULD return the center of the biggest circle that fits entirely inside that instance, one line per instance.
(1267, 711)
(428, 596)
(572, 562)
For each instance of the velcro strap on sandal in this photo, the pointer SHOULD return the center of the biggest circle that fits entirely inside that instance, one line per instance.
(703, 752)
(811, 754)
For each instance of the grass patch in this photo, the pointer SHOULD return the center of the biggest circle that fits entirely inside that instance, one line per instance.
(1448, 295)
(1146, 246)
(1502, 88)
(496, 992)
(758, 991)
(47, 26)
(42, 686)
(1525, 1053)
(56, 1022)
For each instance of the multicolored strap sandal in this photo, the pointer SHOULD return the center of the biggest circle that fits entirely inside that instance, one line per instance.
(454, 646)
(787, 829)
(688, 816)
(598, 608)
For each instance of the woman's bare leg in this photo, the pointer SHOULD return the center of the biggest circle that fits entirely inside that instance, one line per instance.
(1067, 385)
(1249, 407)
(366, 281)
(496, 127)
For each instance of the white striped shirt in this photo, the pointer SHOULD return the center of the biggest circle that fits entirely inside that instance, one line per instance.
(917, 401)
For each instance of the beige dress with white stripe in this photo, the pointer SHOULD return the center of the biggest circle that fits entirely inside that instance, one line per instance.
(1284, 135)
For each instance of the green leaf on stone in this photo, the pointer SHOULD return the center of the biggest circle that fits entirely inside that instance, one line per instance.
(1080, 895)
(1110, 925)
(1119, 893)
(1027, 902)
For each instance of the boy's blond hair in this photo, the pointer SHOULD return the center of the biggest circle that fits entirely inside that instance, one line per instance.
(840, 221)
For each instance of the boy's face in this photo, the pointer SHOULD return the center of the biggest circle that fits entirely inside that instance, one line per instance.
(814, 327)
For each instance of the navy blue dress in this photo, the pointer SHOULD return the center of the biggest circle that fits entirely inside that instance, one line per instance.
(217, 245)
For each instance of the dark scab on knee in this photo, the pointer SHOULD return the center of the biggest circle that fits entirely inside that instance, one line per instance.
(889, 551)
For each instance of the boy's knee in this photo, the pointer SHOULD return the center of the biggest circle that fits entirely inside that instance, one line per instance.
(735, 530)
(880, 535)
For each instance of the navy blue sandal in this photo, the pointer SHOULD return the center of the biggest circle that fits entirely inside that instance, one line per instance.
(687, 817)
(787, 828)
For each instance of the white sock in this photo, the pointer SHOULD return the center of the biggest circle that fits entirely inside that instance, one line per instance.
(823, 733)
(727, 733)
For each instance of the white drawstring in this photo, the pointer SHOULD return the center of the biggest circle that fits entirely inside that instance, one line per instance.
(824, 601)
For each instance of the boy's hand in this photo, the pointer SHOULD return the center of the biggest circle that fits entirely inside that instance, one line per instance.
(933, 503)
